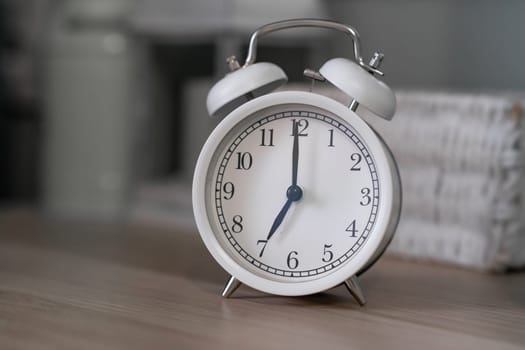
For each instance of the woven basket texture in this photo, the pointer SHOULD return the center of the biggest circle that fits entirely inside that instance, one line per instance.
(460, 158)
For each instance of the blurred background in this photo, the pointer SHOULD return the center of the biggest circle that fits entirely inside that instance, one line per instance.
(102, 102)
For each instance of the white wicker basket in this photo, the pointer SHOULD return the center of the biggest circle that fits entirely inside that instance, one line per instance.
(460, 158)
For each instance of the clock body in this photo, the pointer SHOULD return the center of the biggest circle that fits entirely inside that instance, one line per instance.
(344, 219)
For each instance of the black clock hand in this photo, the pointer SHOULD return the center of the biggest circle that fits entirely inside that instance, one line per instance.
(279, 219)
(294, 193)
(295, 152)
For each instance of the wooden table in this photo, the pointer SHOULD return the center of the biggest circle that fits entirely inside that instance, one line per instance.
(79, 285)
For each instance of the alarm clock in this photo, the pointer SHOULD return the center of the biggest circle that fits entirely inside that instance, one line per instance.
(293, 192)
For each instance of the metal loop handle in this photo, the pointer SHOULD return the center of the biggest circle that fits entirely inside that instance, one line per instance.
(317, 23)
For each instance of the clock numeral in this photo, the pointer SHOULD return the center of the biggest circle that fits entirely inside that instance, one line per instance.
(301, 123)
(356, 157)
(264, 242)
(331, 142)
(244, 160)
(229, 190)
(328, 255)
(292, 261)
(267, 137)
(365, 191)
(237, 224)
(351, 228)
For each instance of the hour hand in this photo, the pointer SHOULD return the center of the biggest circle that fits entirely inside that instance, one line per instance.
(279, 219)
(294, 193)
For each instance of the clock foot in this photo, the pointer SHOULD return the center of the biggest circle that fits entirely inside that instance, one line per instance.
(352, 284)
(230, 287)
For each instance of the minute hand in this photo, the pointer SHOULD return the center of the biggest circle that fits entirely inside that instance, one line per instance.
(295, 153)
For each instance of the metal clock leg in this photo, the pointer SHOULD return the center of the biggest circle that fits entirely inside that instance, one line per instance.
(230, 287)
(352, 284)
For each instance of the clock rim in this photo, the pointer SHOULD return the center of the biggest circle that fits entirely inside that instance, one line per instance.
(368, 250)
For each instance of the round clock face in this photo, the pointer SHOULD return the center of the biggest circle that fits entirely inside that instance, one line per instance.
(292, 194)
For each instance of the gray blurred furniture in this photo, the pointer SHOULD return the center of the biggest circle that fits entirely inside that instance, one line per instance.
(93, 104)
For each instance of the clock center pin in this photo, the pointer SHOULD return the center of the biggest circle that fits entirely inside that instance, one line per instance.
(294, 193)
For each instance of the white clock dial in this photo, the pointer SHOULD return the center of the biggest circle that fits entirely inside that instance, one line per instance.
(293, 193)
(248, 190)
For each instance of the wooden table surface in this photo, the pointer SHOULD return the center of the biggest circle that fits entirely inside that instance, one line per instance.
(78, 285)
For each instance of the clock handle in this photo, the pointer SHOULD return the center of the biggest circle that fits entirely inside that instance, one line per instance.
(317, 23)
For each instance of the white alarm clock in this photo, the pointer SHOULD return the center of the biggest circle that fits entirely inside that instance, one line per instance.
(293, 193)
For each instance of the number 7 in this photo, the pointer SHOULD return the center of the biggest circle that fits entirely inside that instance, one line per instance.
(264, 242)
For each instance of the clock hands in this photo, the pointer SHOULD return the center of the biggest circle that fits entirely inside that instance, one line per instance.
(294, 192)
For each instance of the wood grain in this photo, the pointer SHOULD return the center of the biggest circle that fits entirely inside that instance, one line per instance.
(79, 285)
